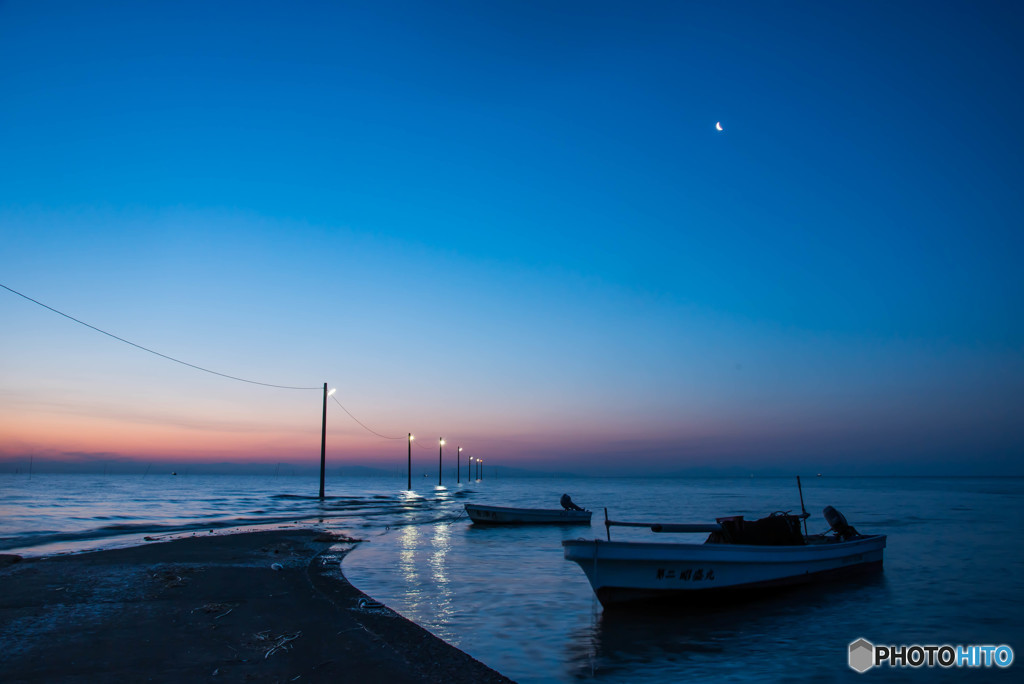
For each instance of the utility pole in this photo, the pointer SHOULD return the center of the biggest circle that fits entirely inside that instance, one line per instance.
(410, 462)
(323, 444)
(440, 453)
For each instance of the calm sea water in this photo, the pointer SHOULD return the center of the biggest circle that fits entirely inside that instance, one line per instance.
(954, 566)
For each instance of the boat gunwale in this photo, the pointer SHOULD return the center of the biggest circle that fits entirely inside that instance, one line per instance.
(764, 553)
(545, 511)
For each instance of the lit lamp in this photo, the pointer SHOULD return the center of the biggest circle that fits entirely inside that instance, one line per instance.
(458, 466)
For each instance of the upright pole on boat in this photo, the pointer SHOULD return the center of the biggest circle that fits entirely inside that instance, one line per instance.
(323, 444)
(607, 527)
(802, 509)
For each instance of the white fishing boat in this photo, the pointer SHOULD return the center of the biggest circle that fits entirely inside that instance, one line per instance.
(739, 559)
(503, 515)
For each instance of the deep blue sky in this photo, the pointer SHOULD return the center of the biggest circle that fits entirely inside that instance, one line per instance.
(516, 222)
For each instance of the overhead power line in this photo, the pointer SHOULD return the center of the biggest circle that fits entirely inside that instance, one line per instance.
(361, 423)
(146, 349)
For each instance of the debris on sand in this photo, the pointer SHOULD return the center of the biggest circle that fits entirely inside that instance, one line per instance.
(281, 642)
(368, 605)
(171, 576)
(168, 578)
(221, 608)
(335, 537)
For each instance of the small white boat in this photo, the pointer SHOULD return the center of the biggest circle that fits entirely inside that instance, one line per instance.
(735, 562)
(502, 515)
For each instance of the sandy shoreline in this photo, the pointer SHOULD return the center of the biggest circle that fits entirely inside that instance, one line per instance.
(268, 606)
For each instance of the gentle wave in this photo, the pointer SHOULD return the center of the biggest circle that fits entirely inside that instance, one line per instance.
(508, 597)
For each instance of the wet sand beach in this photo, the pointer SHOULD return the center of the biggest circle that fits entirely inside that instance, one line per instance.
(267, 606)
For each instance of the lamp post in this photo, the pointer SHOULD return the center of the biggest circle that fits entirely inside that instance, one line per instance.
(440, 452)
(480, 462)
(410, 461)
(458, 466)
(323, 440)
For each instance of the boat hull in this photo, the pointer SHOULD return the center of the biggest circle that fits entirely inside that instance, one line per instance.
(623, 573)
(502, 515)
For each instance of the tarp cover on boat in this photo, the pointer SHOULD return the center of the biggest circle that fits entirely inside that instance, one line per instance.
(776, 530)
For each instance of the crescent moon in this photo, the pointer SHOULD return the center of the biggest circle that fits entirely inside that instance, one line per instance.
(718, 126)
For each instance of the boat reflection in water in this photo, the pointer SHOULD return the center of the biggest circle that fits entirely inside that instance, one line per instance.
(656, 644)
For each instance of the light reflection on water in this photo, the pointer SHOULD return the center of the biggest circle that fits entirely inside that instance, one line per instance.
(954, 571)
(507, 596)
(443, 601)
(408, 568)
(50, 513)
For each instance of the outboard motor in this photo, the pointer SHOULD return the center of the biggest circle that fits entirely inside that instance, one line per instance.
(568, 505)
(837, 521)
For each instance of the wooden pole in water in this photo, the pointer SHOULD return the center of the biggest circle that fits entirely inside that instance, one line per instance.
(440, 453)
(323, 444)
(410, 463)
(802, 509)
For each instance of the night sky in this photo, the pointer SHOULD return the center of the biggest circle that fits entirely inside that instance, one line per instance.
(515, 225)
